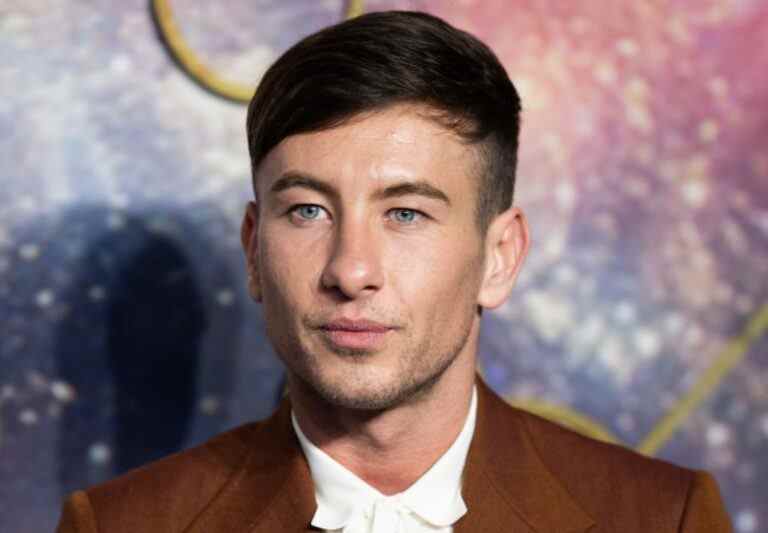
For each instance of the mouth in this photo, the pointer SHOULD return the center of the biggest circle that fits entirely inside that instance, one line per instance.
(358, 335)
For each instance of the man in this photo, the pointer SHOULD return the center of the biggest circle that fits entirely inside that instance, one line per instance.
(383, 152)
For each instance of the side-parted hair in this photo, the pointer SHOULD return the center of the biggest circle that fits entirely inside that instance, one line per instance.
(386, 58)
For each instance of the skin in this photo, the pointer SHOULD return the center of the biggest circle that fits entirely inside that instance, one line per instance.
(350, 224)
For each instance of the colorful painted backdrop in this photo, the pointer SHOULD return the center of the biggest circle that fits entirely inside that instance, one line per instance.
(125, 328)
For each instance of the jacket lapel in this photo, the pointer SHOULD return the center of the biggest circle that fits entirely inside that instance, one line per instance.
(272, 490)
(506, 485)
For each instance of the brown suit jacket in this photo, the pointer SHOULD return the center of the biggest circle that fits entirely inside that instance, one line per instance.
(523, 475)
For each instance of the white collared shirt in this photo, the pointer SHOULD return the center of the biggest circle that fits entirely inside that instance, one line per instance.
(347, 504)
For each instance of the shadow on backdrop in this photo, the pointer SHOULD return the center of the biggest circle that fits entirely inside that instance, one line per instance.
(132, 345)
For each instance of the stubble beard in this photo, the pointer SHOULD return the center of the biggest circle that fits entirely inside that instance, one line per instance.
(420, 362)
(411, 382)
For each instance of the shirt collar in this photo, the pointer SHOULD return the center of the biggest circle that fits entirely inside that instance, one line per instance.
(435, 497)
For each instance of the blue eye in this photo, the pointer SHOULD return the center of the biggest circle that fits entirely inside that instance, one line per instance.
(405, 216)
(308, 211)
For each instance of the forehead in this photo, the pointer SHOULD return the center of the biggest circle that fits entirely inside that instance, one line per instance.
(399, 142)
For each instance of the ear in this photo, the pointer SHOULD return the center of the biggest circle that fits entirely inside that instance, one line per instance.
(506, 245)
(249, 239)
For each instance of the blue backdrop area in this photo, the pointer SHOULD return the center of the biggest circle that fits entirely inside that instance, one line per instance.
(126, 331)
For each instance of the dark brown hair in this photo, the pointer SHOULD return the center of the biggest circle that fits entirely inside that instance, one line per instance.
(384, 58)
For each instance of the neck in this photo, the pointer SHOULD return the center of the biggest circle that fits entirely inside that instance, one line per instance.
(393, 448)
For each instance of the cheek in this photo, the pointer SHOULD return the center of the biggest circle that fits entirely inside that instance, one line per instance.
(288, 271)
(441, 281)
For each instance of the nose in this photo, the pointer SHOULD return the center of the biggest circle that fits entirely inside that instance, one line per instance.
(354, 267)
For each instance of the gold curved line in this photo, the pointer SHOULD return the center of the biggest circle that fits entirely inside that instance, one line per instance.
(728, 358)
(355, 8)
(190, 61)
(195, 67)
(567, 416)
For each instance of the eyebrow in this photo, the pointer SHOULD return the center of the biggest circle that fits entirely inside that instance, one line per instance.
(299, 179)
(418, 188)
(305, 181)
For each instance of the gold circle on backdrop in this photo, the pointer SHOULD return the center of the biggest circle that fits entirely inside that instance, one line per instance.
(191, 63)
(566, 416)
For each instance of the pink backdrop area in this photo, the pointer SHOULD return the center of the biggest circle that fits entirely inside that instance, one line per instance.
(641, 315)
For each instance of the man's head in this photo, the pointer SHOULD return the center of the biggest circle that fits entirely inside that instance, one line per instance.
(373, 143)
(387, 58)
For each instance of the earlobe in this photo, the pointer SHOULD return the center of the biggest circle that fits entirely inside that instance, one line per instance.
(507, 242)
(248, 238)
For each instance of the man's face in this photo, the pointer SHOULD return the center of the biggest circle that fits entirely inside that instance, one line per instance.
(365, 252)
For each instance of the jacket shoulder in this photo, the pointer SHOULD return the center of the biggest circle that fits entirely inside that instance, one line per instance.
(574, 453)
(172, 491)
(616, 484)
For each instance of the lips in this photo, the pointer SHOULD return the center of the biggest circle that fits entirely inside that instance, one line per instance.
(345, 324)
(359, 335)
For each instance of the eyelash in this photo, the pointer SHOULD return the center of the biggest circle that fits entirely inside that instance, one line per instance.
(419, 215)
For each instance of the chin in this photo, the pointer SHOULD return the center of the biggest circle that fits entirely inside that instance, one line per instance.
(361, 402)
(367, 392)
